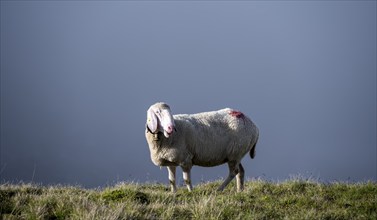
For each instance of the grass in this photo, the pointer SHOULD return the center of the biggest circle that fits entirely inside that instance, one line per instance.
(292, 199)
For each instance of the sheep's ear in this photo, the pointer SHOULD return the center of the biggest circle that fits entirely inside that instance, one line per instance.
(151, 121)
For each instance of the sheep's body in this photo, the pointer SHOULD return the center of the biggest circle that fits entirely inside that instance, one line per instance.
(205, 139)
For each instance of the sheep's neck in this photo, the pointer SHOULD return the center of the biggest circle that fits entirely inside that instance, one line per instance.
(158, 139)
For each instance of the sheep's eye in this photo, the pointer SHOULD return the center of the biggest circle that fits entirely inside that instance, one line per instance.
(158, 112)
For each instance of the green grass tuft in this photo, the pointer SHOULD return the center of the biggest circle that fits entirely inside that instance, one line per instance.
(293, 199)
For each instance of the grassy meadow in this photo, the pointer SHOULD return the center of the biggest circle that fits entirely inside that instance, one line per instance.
(292, 199)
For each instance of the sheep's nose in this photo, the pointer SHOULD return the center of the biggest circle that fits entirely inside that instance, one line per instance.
(170, 128)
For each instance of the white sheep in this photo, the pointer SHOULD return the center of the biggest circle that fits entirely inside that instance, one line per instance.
(204, 139)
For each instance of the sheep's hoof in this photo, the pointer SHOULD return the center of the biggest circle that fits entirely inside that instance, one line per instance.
(220, 189)
(173, 189)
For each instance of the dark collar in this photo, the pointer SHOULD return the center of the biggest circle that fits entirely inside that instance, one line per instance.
(156, 136)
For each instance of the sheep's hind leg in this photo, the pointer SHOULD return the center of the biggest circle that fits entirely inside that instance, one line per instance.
(233, 171)
(187, 177)
(240, 178)
(171, 170)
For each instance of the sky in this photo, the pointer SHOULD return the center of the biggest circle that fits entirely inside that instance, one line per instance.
(78, 77)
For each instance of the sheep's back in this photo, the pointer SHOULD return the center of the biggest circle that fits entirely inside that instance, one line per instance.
(216, 137)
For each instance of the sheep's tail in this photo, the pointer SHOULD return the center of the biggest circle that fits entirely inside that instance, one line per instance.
(252, 151)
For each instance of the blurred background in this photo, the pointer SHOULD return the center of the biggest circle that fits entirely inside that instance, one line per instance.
(78, 77)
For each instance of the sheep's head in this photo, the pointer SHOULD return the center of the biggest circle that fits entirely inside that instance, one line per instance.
(159, 118)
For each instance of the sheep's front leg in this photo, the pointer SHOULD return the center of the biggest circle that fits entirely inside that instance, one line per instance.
(233, 171)
(171, 170)
(187, 177)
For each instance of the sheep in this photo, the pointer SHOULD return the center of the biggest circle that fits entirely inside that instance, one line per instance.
(204, 139)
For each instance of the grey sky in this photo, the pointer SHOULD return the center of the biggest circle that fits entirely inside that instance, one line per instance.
(78, 77)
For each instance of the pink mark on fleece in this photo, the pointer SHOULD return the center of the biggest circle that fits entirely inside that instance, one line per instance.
(236, 114)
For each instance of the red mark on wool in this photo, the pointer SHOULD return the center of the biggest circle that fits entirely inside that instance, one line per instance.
(236, 114)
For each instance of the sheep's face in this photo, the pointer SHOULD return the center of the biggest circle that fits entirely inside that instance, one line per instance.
(159, 118)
